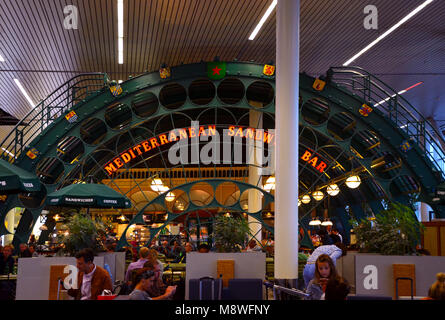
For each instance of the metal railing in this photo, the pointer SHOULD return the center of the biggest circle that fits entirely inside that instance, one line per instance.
(69, 94)
(277, 290)
(405, 116)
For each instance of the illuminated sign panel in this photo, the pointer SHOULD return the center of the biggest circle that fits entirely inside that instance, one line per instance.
(314, 161)
(185, 133)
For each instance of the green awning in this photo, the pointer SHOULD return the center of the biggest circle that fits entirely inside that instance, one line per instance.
(14, 179)
(88, 195)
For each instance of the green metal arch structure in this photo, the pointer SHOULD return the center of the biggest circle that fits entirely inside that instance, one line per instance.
(331, 127)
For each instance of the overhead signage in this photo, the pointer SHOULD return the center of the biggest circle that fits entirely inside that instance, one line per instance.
(314, 160)
(185, 133)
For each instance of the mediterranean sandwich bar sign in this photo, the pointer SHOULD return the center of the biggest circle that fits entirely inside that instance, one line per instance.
(194, 132)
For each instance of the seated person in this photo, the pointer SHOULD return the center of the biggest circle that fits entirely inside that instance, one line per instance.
(203, 248)
(252, 246)
(158, 287)
(337, 289)
(165, 249)
(32, 249)
(92, 280)
(177, 251)
(144, 280)
(437, 289)
(6, 260)
(24, 251)
(188, 248)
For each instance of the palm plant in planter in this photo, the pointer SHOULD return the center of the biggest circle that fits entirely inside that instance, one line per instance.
(82, 232)
(230, 234)
(395, 231)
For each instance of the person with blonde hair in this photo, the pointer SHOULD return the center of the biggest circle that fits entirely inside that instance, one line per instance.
(437, 289)
(153, 258)
(143, 258)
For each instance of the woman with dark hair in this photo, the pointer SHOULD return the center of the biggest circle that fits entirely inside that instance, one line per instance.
(325, 272)
(144, 281)
(334, 251)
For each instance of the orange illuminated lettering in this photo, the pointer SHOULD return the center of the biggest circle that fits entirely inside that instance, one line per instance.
(306, 156)
(138, 149)
(268, 137)
(239, 132)
(182, 134)
(321, 166)
(212, 130)
(146, 146)
(249, 133)
(172, 136)
(192, 132)
(110, 169)
(119, 163)
(259, 135)
(154, 142)
(163, 139)
(202, 131)
(126, 157)
(313, 161)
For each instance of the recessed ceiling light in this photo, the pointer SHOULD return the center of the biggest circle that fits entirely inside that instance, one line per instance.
(384, 35)
(17, 82)
(120, 30)
(263, 19)
(1, 58)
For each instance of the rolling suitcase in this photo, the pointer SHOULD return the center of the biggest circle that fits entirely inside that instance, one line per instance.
(212, 287)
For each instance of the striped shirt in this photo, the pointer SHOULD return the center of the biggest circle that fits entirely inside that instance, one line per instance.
(331, 250)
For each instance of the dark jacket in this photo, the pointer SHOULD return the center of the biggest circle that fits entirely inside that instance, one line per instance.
(7, 266)
(25, 254)
(101, 281)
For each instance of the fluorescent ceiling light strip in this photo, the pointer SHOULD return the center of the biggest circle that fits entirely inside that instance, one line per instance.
(409, 16)
(10, 153)
(263, 20)
(120, 28)
(17, 82)
(400, 92)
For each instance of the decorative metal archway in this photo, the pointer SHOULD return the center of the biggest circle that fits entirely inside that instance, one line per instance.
(355, 123)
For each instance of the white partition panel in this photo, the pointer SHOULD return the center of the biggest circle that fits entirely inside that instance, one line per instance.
(33, 275)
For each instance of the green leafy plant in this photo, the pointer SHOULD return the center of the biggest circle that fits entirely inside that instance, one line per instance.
(83, 233)
(230, 234)
(395, 231)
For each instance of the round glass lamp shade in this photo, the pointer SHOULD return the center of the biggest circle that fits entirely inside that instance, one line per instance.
(333, 190)
(318, 195)
(306, 199)
(157, 185)
(270, 184)
(315, 222)
(327, 223)
(353, 182)
(170, 197)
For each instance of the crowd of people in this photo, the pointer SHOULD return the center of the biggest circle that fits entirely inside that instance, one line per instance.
(144, 276)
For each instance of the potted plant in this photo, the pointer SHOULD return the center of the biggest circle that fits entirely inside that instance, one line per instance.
(230, 234)
(394, 231)
(82, 232)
